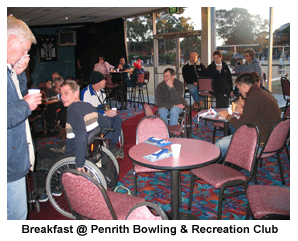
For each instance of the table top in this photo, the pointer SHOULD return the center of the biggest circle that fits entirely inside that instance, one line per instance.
(50, 101)
(217, 118)
(194, 153)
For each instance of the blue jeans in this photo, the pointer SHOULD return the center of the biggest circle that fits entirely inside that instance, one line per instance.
(17, 200)
(174, 113)
(194, 92)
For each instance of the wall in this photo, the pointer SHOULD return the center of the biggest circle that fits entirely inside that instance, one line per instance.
(42, 71)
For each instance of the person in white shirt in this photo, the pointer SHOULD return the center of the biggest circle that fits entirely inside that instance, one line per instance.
(103, 66)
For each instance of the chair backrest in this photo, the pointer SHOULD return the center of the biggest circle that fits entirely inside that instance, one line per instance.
(205, 85)
(287, 112)
(285, 84)
(86, 197)
(147, 109)
(147, 75)
(109, 81)
(277, 138)
(243, 147)
(151, 126)
(141, 78)
(141, 212)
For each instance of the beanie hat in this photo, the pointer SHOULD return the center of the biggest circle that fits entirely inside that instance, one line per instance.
(96, 77)
(138, 64)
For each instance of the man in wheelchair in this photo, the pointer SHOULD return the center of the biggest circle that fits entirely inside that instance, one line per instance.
(95, 95)
(82, 118)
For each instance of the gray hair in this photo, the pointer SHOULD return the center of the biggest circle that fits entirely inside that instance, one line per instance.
(72, 84)
(20, 29)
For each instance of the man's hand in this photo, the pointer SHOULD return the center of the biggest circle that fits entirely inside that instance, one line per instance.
(181, 106)
(170, 83)
(33, 100)
(224, 114)
(81, 169)
(21, 65)
(110, 113)
(195, 83)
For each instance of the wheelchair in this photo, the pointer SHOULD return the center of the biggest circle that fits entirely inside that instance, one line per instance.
(96, 153)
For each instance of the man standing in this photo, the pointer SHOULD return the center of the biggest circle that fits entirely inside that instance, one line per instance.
(191, 72)
(20, 152)
(95, 95)
(260, 109)
(169, 97)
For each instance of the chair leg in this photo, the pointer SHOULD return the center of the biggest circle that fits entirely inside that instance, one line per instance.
(192, 183)
(280, 169)
(248, 211)
(214, 132)
(220, 201)
(135, 183)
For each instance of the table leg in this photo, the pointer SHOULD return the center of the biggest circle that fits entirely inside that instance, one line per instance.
(226, 128)
(175, 194)
(175, 199)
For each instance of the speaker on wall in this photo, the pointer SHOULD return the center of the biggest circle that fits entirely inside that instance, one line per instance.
(67, 38)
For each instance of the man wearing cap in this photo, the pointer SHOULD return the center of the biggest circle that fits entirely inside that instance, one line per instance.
(95, 95)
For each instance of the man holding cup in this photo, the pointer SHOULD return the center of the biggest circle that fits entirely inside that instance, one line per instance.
(20, 152)
(95, 95)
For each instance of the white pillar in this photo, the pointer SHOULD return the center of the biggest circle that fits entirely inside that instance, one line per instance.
(270, 49)
(206, 36)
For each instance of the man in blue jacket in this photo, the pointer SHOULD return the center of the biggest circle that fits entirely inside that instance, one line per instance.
(20, 150)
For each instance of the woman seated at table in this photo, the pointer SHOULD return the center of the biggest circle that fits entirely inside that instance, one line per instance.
(138, 69)
(222, 83)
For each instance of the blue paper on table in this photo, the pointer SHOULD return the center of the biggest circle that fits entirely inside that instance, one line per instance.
(159, 155)
(158, 142)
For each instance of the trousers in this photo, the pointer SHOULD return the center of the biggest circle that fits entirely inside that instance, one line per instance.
(17, 200)
(174, 113)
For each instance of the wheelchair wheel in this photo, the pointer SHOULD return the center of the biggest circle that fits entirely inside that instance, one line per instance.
(105, 152)
(121, 138)
(54, 188)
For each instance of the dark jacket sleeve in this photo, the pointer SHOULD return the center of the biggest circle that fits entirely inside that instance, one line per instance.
(76, 120)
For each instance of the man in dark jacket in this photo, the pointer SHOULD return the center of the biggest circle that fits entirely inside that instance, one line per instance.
(191, 72)
(20, 150)
(169, 97)
(260, 109)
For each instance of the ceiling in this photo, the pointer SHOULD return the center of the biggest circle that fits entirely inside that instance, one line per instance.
(40, 16)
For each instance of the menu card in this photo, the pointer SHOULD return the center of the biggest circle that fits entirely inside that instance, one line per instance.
(157, 142)
(159, 155)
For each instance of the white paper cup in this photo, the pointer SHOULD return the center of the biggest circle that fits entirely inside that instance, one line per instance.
(114, 109)
(33, 91)
(176, 150)
(244, 60)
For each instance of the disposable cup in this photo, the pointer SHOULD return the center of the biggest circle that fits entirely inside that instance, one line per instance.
(114, 109)
(234, 107)
(33, 91)
(176, 150)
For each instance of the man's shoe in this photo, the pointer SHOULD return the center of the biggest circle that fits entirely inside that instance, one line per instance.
(43, 198)
(57, 193)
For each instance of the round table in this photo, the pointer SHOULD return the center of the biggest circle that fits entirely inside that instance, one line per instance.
(194, 154)
(219, 119)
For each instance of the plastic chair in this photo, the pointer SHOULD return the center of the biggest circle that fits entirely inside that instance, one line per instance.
(149, 126)
(275, 144)
(242, 152)
(88, 199)
(205, 90)
(285, 85)
(268, 202)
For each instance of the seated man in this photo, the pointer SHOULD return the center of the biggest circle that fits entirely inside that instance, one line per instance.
(95, 95)
(260, 109)
(191, 72)
(169, 97)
